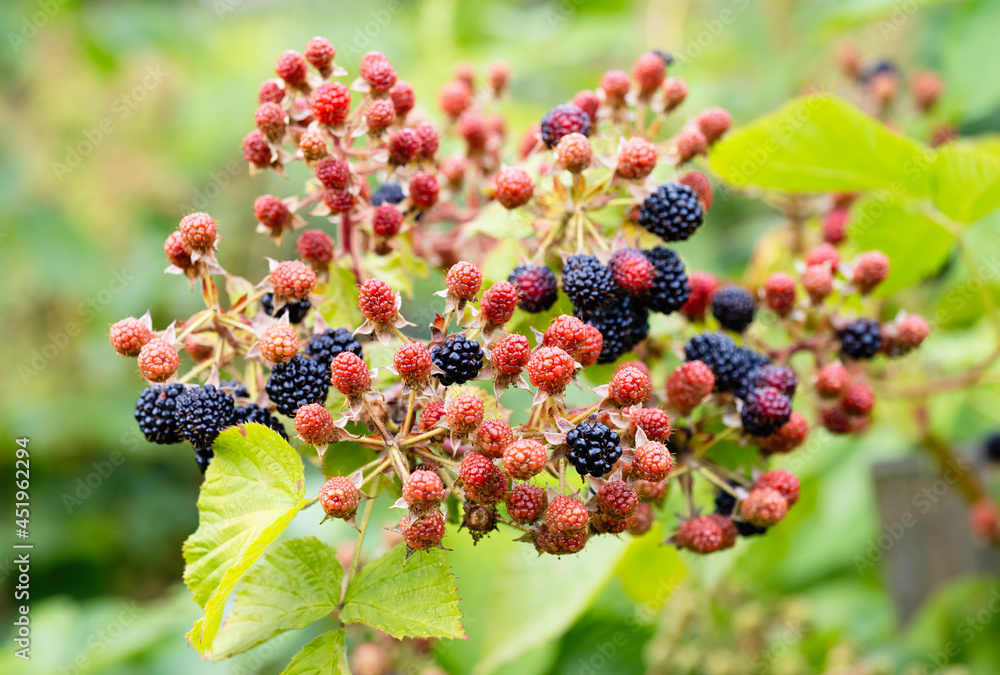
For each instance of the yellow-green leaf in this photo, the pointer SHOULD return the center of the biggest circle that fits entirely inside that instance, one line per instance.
(968, 183)
(326, 655)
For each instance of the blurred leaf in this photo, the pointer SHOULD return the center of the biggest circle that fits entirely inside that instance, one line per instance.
(501, 260)
(970, 42)
(848, 13)
(916, 245)
(298, 582)
(405, 598)
(499, 223)
(649, 571)
(253, 488)
(967, 183)
(325, 655)
(820, 144)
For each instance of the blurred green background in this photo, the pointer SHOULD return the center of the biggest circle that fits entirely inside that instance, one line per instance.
(120, 117)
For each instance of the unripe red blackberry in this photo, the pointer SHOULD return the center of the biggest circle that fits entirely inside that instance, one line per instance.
(319, 52)
(331, 103)
(386, 220)
(652, 462)
(339, 200)
(566, 332)
(279, 343)
(561, 121)
(349, 374)
(511, 354)
(423, 489)
(713, 122)
(464, 412)
(588, 102)
(526, 503)
(256, 150)
(492, 436)
(555, 543)
(870, 269)
(379, 116)
(779, 293)
(566, 515)
(424, 532)
(315, 247)
(728, 527)
(313, 145)
(636, 159)
(498, 74)
(537, 289)
(825, 253)
(314, 424)
(701, 186)
(524, 458)
(764, 507)
(271, 119)
(513, 187)
(404, 145)
(412, 362)
(575, 152)
(783, 481)
(911, 331)
(430, 415)
(642, 521)
(472, 128)
(700, 535)
(198, 230)
(703, 286)
(475, 470)
(291, 67)
(158, 360)
(333, 173)
(464, 280)
(550, 369)
(835, 225)
(453, 169)
(615, 85)
(498, 303)
(178, 252)
(689, 384)
(651, 492)
(818, 282)
(129, 335)
(690, 143)
(675, 90)
(831, 380)
(789, 436)
(926, 87)
(649, 72)
(616, 499)
(593, 344)
(629, 386)
(429, 139)
(377, 72)
(632, 270)
(293, 279)
(858, 399)
(377, 301)
(270, 92)
(529, 140)
(272, 213)
(402, 98)
(454, 98)
(339, 497)
(424, 190)
(655, 423)
(836, 420)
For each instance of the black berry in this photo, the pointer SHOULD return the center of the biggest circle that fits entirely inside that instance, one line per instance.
(588, 284)
(298, 382)
(670, 284)
(733, 307)
(623, 322)
(861, 339)
(672, 212)
(563, 120)
(202, 412)
(389, 193)
(254, 413)
(593, 449)
(991, 448)
(729, 363)
(296, 311)
(781, 378)
(536, 286)
(156, 413)
(764, 411)
(461, 360)
(724, 502)
(326, 345)
(748, 529)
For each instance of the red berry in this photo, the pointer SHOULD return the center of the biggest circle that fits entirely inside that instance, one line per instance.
(700, 535)
(404, 146)
(629, 386)
(689, 384)
(835, 225)
(703, 286)
(453, 169)
(349, 374)
(379, 115)
(464, 412)
(825, 253)
(331, 103)
(378, 72)
(511, 354)
(424, 190)
(789, 436)
(498, 303)
(529, 140)
(655, 423)
(729, 531)
(339, 498)
(859, 399)
(566, 515)
(575, 152)
(454, 97)
(818, 282)
(526, 503)
(178, 253)
(475, 470)
(198, 230)
(524, 459)
(278, 343)
(270, 92)
(870, 269)
(652, 461)
(423, 489)
(632, 270)
(554, 543)
(649, 72)
(616, 499)
(314, 423)
(911, 331)
(464, 280)
(651, 492)
(377, 301)
(498, 73)
(472, 128)
(293, 279)
(315, 247)
(550, 369)
(566, 332)
(784, 482)
(643, 520)
(271, 120)
(492, 436)
(593, 343)
(158, 360)
(675, 90)
(429, 139)
(291, 67)
(319, 52)
(690, 143)
(386, 220)
(402, 97)
(424, 532)
(636, 159)
(713, 122)
(615, 85)
(698, 182)
(513, 187)
(926, 87)
(271, 212)
(430, 415)
(588, 102)
(333, 173)
(764, 507)
(313, 145)
(339, 200)
(831, 380)
(412, 362)
(779, 293)
(129, 335)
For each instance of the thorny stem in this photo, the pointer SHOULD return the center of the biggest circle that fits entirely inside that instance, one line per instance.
(398, 462)
(413, 440)
(435, 458)
(562, 476)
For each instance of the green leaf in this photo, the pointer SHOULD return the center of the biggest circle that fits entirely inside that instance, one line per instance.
(417, 599)
(917, 246)
(325, 655)
(499, 223)
(298, 582)
(649, 571)
(821, 144)
(968, 183)
(253, 488)
(969, 43)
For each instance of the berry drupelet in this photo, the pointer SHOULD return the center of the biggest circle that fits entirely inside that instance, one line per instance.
(594, 448)
(326, 345)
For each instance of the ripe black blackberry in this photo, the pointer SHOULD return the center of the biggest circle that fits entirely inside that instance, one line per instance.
(671, 212)
(748, 529)
(725, 502)
(298, 382)
(156, 413)
(729, 363)
(733, 307)
(326, 345)
(254, 413)
(623, 323)
(389, 193)
(764, 411)
(860, 339)
(563, 120)
(235, 389)
(593, 448)
(991, 448)
(588, 283)
(296, 311)
(536, 286)
(460, 358)
(670, 284)
(202, 412)
(203, 456)
(781, 378)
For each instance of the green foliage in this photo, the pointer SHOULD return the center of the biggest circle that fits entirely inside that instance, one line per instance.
(967, 183)
(325, 655)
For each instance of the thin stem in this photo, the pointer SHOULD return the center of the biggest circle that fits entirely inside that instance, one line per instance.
(419, 438)
(713, 439)
(360, 540)
(377, 471)
(410, 407)
(714, 480)
(204, 317)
